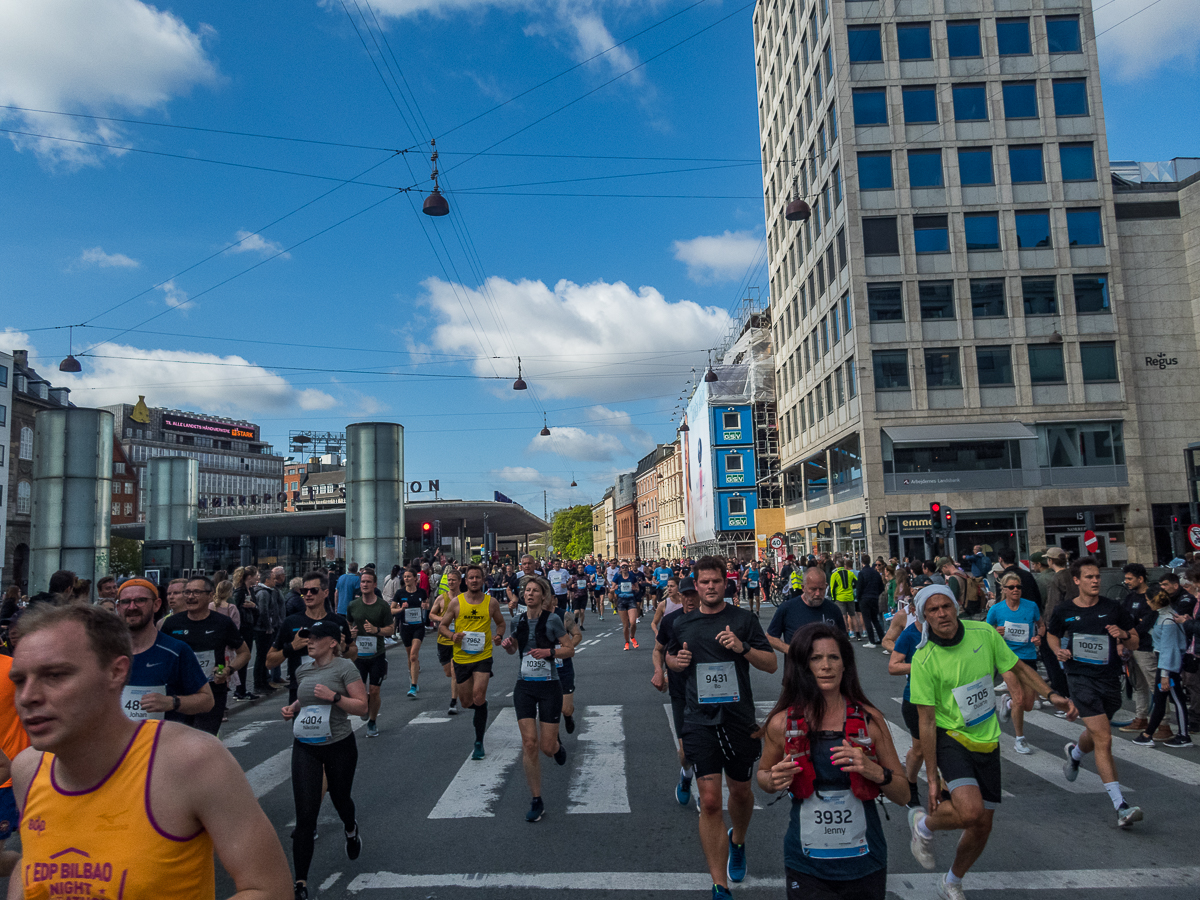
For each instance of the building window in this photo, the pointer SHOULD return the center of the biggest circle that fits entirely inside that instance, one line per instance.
(970, 102)
(1068, 445)
(733, 462)
(1046, 364)
(837, 177)
(913, 41)
(847, 319)
(891, 370)
(875, 171)
(839, 390)
(1083, 228)
(936, 299)
(3, 376)
(829, 395)
(116, 509)
(730, 421)
(865, 43)
(1091, 295)
(885, 302)
(879, 236)
(975, 166)
(841, 249)
(1070, 97)
(982, 231)
(24, 497)
(851, 381)
(1039, 296)
(920, 105)
(119, 468)
(962, 39)
(129, 487)
(1025, 165)
(3, 415)
(870, 106)
(1078, 163)
(25, 451)
(987, 298)
(1062, 34)
(1012, 37)
(1033, 229)
(931, 234)
(995, 366)
(924, 168)
(737, 506)
(1099, 360)
(129, 509)
(1020, 100)
(824, 336)
(835, 325)
(941, 368)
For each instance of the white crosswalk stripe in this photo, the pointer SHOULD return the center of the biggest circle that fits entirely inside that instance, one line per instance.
(476, 788)
(598, 783)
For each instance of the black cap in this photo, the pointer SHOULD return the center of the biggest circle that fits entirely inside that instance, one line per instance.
(321, 629)
(687, 586)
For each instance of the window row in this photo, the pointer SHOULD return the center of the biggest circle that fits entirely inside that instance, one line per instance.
(1039, 297)
(994, 366)
(821, 275)
(931, 234)
(926, 168)
(969, 102)
(823, 206)
(789, 320)
(817, 345)
(824, 400)
(964, 39)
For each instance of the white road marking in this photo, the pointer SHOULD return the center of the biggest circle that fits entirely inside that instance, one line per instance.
(428, 718)
(599, 775)
(724, 783)
(275, 770)
(923, 885)
(242, 736)
(330, 881)
(476, 788)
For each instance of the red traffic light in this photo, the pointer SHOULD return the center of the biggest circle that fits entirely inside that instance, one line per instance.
(426, 527)
(935, 509)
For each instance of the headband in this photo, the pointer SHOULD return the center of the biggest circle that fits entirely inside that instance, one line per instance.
(139, 582)
(924, 596)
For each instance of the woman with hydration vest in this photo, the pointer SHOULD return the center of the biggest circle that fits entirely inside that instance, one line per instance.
(832, 751)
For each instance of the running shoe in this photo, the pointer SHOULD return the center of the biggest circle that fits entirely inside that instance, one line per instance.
(1002, 688)
(1127, 815)
(627, 645)
(721, 893)
(478, 753)
(412, 692)
(302, 891)
(560, 755)
(634, 642)
(248, 696)
(948, 891)
(537, 809)
(1022, 746)
(570, 720)
(735, 868)
(372, 729)
(1006, 709)
(1179, 742)
(353, 844)
(869, 646)
(921, 847)
(1071, 766)
(452, 711)
(1143, 740)
(683, 790)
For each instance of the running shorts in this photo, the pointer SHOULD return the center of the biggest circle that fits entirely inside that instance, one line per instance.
(716, 748)
(848, 607)
(912, 719)
(410, 633)
(445, 653)
(372, 669)
(541, 700)
(579, 602)
(801, 886)
(464, 672)
(624, 604)
(566, 676)
(1095, 696)
(961, 767)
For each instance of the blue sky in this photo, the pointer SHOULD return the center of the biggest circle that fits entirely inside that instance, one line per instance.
(359, 307)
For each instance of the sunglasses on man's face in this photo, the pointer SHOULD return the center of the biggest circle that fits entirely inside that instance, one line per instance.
(307, 591)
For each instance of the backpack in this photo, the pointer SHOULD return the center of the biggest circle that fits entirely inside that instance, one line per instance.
(970, 594)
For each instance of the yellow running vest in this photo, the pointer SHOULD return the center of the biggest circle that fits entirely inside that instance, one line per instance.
(105, 842)
(473, 617)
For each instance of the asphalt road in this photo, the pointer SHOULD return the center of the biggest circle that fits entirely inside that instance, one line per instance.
(437, 825)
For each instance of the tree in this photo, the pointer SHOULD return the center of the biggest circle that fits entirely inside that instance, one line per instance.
(571, 531)
(124, 556)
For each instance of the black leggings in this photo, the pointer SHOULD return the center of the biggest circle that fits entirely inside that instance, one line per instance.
(870, 617)
(1177, 694)
(337, 762)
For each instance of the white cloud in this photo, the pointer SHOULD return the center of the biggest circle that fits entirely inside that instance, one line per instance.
(97, 257)
(11, 339)
(575, 443)
(1164, 37)
(250, 242)
(527, 475)
(175, 297)
(720, 257)
(91, 56)
(600, 340)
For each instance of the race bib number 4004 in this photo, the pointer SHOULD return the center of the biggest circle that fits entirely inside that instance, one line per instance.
(311, 725)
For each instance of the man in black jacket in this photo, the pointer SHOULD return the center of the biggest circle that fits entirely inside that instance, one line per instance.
(867, 590)
(1029, 585)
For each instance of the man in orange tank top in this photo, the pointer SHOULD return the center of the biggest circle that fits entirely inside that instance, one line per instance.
(112, 807)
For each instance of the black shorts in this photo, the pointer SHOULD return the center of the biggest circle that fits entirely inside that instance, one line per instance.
(579, 602)
(678, 705)
(566, 675)
(960, 767)
(624, 604)
(716, 748)
(808, 887)
(464, 672)
(410, 633)
(445, 653)
(372, 669)
(1095, 696)
(541, 700)
(912, 719)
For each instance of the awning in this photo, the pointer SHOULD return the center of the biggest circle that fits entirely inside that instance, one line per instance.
(959, 433)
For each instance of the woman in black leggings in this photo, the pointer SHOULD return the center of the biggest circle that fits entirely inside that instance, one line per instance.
(330, 691)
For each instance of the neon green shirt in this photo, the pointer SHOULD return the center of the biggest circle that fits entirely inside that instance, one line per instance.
(957, 682)
(841, 583)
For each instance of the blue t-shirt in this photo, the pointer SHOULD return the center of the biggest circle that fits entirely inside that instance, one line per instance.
(625, 586)
(1021, 623)
(591, 570)
(171, 662)
(661, 574)
(347, 587)
(794, 614)
(907, 644)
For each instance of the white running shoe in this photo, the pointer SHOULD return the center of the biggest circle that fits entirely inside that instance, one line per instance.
(922, 848)
(948, 891)
(1127, 815)
(1022, 746)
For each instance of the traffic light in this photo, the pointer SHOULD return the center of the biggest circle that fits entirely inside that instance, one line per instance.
(949, 519)
(935, 512)
(426, 535)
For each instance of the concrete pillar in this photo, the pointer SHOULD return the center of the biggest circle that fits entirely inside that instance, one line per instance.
(245, 550)
(72, 494)
(172, 496)
(375, 494)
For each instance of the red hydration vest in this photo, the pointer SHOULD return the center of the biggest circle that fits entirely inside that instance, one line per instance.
(796, 743)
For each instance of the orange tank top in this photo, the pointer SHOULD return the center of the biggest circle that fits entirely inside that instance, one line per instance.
(105, 842)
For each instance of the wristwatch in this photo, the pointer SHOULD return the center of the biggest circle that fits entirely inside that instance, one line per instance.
(175, 701)
(746, 648)
(336, 698)
(887, 776)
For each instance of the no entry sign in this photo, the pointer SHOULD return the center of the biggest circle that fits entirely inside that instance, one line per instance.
(1090, 541)
(1194, 536)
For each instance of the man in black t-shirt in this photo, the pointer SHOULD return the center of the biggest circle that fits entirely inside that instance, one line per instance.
(811, 605)
(1086, 634)
(410, 606)
(673, 682)
(714, 648)
(290, 646)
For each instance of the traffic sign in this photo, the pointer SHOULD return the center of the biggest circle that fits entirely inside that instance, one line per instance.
(1090, 541)
(776, 542)
(1194, 536)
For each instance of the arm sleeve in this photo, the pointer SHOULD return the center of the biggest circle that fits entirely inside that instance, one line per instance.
(756, 638)
(775, 629)
(922, 689)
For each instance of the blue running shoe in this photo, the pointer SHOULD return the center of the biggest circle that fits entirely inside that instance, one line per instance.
(536, 810)
(721, 893)
(478, 752)
(683, 790)
(735, 869)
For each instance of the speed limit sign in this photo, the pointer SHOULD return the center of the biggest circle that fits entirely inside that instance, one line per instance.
(777, 541)
(1194, 536)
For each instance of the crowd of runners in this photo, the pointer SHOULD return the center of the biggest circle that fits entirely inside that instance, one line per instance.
(126, 697)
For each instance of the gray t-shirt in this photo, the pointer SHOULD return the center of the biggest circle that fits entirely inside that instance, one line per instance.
(337, 676)
(554, 632)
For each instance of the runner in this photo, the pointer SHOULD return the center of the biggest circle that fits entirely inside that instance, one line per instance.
(175, 600)
(902, 648)
(625, 600)
(409, 605)
(842, 583)
(1092, 627)
(516, 584)
(209, 634)
(665, 679)
(753, 595)
(371, 621)
(323, 750)
(540, 638)
(951, 685)
(832, 748)
(714, 648)
(662, 573)
(577, 592)
(445, 647)
(289, 645)
(1016, 619)
(670, 602)
(88, 760)
(558, 578)
(810, 605)
(468, 623)
(164, 675)
(566, 667)
(13, 740)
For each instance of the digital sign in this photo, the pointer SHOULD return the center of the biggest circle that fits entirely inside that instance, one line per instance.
(200, 426)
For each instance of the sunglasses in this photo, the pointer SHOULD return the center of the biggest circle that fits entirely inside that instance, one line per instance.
(307, 591)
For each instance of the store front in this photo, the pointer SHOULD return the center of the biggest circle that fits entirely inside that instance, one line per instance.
(909, 534)
(851, 537)
(1065, 527)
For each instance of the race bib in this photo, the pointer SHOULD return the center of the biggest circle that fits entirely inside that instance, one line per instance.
(521, 609)
(833, 825)
(975, 700)
(717, 683)
(558, 663)
(413, 615)
(366, 644)
(581, 584)
(473, 641)
(1092, 649)
(208, 662)
(131, 701)
(535, 669)
(311, 725)
(1018, 632)
(626, 587)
